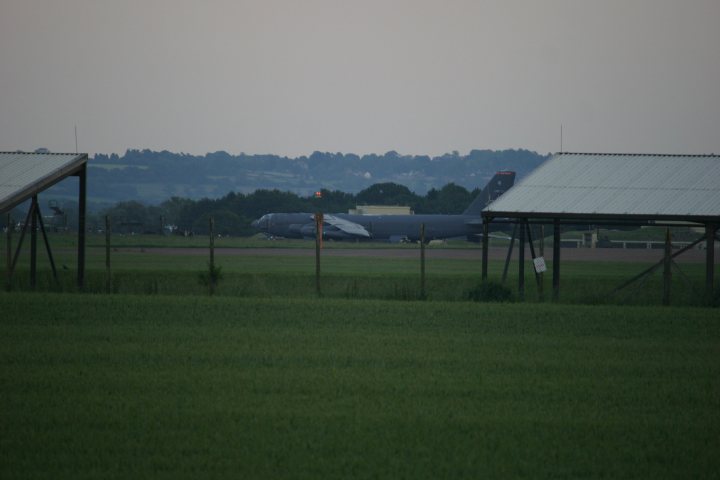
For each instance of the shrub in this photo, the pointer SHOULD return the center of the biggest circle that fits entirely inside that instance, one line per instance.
(211, 277)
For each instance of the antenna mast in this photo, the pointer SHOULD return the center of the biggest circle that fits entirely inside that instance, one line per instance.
(561, 138)
(76, 149)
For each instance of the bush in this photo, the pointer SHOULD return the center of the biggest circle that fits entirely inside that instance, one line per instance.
(490, 292)
(211, 277)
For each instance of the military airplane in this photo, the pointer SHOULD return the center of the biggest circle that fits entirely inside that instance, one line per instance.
(393, 228)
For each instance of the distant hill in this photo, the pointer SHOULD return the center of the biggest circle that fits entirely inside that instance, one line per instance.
(152, 177)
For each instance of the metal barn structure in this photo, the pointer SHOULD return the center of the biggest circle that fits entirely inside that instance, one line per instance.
(612, 189)
(22, 177)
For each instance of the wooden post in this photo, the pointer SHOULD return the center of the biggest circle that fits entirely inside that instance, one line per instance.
(422, 261)
(212, 256)
(667, 268)
(108, 272)
(485, 248)
(318, 244)
(8, 253)
(556, 259)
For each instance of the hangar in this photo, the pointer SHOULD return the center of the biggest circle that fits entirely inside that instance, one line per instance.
(611, 189)
(22, 177)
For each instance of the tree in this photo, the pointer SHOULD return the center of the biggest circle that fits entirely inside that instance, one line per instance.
(387, 194)
(226, 223)
(173, 208)
(128, 217)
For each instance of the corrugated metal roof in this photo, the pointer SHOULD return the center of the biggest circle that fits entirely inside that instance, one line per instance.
(586, 185)
(23, 175)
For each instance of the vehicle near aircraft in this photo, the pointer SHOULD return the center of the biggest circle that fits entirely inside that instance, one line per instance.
(393, 228)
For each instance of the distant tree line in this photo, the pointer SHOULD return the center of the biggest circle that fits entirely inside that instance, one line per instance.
(182, 190)
(234, 212)
(151, 177)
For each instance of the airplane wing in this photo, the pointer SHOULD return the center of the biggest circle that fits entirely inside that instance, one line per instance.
(347, 226)
(494, 235)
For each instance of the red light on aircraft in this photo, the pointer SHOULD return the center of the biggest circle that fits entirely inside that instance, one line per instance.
(318, 194)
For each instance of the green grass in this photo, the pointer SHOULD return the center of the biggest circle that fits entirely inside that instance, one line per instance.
(138, 269)
(171, 387)
(69, 240)
(148, 271)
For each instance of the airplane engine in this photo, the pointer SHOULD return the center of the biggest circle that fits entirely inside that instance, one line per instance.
(329, 232)
(308, 230)
(296, 229)
(336, 234)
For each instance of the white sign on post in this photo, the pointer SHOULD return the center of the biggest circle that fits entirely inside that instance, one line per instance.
(539, 263)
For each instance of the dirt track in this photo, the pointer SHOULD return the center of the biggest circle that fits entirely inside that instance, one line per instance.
(496, 253)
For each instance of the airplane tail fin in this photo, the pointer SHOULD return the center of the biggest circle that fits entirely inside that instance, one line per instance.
(499, 184)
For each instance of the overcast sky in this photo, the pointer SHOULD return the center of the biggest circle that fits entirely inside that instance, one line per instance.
(364, 76)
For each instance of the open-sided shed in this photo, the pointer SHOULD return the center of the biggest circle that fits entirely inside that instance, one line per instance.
(641, 189)
(22, 177)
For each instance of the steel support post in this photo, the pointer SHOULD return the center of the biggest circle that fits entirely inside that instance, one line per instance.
(82, 201)
(47, 244)
(538, 276)
(667, 268)
(8, 252)
(509, 253)
(33, 242)
(556, 259)
(710, 229)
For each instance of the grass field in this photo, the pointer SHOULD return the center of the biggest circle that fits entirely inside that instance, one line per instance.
(266, 380)
(118, 386)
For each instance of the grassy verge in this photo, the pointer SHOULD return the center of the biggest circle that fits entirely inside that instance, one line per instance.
(171, 386)
(69, 240)
(281, 276)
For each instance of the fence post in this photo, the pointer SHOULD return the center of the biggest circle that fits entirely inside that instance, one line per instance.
(318, 244)
(108, 272)
(422, 261)
(212, 256)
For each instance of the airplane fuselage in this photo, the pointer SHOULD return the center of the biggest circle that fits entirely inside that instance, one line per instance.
(395, 228)
(380, 227)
